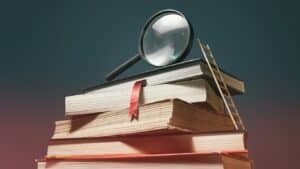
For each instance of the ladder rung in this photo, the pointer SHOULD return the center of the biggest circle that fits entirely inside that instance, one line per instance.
(230, 105)
(213, 64)
(216, 71)
(235, 115)
(227, 97)
(223, 88)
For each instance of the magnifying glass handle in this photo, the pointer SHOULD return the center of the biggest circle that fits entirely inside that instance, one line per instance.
(121, 68)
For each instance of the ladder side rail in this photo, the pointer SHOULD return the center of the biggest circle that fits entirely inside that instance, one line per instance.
(228, 97)
(218, 85)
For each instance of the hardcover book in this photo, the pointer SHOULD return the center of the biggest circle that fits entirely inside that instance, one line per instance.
(191, 91)
(237, 160)
(168, 116)
(192, 69)
(151, 144)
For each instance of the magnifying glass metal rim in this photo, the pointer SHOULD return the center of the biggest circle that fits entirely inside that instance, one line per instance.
(188, 46)
(118, 70)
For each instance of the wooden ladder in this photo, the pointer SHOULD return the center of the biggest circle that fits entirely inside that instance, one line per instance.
(222, 87)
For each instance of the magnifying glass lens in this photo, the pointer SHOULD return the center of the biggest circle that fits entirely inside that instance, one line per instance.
(166, 39)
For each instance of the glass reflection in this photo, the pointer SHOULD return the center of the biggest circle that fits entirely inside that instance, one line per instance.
(165, 39)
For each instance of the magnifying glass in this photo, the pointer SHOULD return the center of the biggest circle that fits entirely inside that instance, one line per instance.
(166, 38)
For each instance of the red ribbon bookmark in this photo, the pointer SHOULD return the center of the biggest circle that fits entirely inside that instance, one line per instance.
(135, 99)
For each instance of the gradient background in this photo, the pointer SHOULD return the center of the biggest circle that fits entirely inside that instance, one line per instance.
(52, 49)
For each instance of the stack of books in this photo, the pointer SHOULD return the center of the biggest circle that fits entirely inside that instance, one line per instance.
(181, 124)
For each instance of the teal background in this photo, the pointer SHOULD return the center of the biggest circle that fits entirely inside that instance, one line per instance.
(50, 49)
